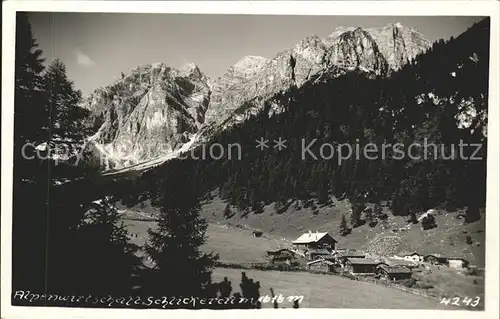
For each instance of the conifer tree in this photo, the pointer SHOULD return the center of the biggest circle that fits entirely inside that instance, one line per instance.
(175, 246)
(69, 248)
(344, 228)
(30, 117)
(67, 118)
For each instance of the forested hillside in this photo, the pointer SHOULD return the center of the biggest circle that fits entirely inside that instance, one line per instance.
(440, 97)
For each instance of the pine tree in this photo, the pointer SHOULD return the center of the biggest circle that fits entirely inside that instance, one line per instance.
(175, 246)
(66, 116)
(30, 117)
(344, 228)
(89, 233)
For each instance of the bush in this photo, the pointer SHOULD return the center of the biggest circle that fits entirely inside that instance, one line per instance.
(428, 222)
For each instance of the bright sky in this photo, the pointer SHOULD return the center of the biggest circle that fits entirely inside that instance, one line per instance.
(97, 47)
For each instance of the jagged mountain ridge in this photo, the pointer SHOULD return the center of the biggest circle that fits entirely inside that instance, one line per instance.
(155, 110)
(152, 110)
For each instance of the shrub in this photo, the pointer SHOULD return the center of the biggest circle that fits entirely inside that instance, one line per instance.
(428, 222)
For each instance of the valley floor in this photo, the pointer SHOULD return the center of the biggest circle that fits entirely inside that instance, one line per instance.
(233, 240)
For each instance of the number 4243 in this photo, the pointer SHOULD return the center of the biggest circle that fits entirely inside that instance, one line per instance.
(457, 301)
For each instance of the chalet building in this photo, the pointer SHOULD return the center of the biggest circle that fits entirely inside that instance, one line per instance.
(315, 240)
(436, 259)
(457, 263)
(361, 266)
(392, 273)
(321, 265)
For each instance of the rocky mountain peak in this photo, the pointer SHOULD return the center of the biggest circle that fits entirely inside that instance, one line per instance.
(158, 108)
(149, 112)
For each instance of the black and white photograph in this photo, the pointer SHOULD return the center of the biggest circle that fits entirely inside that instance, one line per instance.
(226, 161)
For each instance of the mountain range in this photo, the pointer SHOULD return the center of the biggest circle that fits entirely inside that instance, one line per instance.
(155, 112)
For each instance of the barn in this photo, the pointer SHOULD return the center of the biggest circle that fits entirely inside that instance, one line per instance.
(321, 265)
(393, 273)
(361, 266)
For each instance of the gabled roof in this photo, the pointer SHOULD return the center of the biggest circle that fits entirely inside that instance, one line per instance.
(394, 269)
(363, 261)
(308, 238)
(323, 261)
(350, 254)
(400, 262)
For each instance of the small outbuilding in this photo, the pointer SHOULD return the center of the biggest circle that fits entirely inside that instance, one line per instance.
(393, 273)
(321, 264)
(361, 266)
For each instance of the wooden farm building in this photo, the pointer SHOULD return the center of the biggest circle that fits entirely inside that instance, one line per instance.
(321, 264)
(315, 240)
(359, 266)
(393, 273)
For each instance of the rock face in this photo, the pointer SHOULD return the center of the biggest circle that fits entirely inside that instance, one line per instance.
(376, 51)
(148, 113)
(154, 110)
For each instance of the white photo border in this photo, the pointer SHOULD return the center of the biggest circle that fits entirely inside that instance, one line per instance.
(337, 8)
